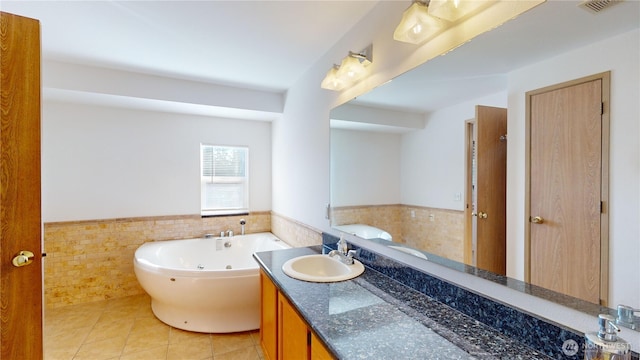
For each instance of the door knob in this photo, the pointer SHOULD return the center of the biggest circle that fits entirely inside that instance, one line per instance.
(482, 215)
(23, 258)
(537, 220)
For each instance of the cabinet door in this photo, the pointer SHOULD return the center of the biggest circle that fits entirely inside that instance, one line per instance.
(293, 334)
(318, 351)
(268, 317)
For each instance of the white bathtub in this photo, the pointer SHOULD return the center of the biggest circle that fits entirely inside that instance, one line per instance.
(201, 285)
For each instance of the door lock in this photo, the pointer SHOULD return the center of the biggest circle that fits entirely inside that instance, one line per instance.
(23, 258)
(481, 215)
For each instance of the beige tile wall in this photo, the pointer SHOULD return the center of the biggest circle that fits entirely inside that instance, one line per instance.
(442, 234)
(386, 217)
(438, 231)
(93, 260)
(293, 232)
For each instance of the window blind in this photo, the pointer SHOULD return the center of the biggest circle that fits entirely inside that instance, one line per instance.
(224, 179)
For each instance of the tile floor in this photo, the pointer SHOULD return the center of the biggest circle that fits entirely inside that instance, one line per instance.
(126, 329)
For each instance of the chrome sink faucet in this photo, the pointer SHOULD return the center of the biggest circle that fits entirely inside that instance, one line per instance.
(626, 317)
(344, 254)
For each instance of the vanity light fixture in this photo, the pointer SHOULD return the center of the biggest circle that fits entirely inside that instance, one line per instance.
(332, 81)
(452, 10)
(417, 25)
(352, 69)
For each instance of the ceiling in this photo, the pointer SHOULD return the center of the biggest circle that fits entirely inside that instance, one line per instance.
(268, 45)
(262, 45)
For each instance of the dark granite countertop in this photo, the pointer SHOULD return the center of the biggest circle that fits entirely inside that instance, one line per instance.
(376, 317)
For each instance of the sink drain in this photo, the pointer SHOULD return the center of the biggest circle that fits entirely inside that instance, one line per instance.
(228, 267)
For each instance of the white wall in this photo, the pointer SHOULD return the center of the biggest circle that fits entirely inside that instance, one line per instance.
(432, 159)
(104, 162)
(365, 168)
(301, 145)
(621, 55)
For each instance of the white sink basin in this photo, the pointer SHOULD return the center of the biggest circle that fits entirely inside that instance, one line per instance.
(321, 268)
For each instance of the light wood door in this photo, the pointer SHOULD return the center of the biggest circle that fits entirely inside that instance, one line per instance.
(566, 171)
(293, 334)
(20, 221)
(486, 218)
(318, 350)
(268, 317)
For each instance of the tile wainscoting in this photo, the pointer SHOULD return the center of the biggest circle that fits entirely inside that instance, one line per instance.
(93, 260)
(438, 231)
(294, 232)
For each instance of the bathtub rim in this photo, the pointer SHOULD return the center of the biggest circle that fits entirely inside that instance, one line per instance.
(146, 265)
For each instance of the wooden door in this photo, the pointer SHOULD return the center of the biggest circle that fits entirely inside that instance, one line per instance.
(566, 188)
(20, 223)
(489, 135)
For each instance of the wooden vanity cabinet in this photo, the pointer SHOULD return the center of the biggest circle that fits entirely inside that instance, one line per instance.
(284, 335)
(293, 334)
(268, 317)
(318, 350)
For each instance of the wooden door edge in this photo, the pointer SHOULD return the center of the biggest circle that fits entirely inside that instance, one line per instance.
(468, 244)
(604, 191)
(527, 188)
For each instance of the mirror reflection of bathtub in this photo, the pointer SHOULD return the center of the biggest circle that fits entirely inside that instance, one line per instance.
(364, 231)
(373, 233)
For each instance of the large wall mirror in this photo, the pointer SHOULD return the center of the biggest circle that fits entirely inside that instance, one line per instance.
(399, 171)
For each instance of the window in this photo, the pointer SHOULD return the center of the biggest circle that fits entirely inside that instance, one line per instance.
(224, 180)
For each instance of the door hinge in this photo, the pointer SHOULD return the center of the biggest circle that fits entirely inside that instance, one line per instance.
(601, 108)
(601, 207)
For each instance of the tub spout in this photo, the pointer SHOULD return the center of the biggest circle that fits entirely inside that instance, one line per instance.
(242, 223)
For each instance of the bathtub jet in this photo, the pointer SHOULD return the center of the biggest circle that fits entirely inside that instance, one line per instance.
(197, 286)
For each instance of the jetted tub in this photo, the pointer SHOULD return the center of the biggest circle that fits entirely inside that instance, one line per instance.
(201, 284)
